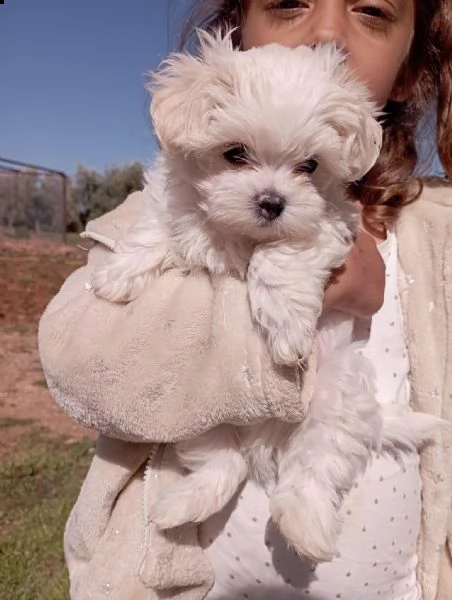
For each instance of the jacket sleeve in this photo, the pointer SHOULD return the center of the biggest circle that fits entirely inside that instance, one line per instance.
(177, 361)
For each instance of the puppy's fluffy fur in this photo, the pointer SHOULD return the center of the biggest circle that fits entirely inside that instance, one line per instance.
(256, 149)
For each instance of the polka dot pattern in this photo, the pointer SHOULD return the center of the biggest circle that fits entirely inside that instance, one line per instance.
(381, 513)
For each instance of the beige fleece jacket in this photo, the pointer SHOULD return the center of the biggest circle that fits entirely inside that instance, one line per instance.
(180, 359)
(184, 357)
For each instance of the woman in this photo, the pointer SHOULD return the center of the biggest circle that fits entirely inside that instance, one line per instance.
(101, 369)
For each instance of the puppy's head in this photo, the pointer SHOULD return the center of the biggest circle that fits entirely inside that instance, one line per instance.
(262, 134)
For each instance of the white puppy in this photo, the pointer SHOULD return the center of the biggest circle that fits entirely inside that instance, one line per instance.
(256, 149)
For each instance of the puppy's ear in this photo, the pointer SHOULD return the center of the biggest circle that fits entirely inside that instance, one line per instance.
(354, 115)
(186, 90)
(362, 140)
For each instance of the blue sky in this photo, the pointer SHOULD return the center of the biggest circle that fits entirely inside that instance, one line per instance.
(72, 78)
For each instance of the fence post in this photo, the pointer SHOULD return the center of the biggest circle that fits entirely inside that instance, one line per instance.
(64, 207)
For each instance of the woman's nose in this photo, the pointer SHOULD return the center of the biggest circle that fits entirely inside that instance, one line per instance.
(327, 23)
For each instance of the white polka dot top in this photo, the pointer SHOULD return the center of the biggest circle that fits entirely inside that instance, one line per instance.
(381, 514)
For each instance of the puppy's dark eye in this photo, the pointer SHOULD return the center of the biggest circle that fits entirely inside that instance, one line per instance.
(308, 166)
(238, 155)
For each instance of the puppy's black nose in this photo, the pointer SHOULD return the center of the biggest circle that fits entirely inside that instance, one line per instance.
(270, 205)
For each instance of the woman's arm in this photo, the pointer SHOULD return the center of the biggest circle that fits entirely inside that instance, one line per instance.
(358, 287)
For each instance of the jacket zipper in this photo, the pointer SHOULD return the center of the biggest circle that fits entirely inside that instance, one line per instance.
(150, 463)
(151, 466)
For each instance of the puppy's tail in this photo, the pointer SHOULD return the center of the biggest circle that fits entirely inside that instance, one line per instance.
(406, 430)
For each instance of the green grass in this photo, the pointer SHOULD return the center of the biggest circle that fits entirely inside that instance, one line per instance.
(72, 239)
(13, 422)
(40, 383)
(39, 482)
(20, 328)
(26, 278)
(21, 350)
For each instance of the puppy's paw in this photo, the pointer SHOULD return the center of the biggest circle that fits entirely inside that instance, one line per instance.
(282, 353)
(308, 520)
(288, 350)
(125, 274)
(179, 504)
(115, 287)
(191, 500)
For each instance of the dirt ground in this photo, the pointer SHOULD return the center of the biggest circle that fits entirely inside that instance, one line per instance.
(31, 272)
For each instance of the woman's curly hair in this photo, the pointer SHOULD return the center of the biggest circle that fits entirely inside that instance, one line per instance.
(427, 72)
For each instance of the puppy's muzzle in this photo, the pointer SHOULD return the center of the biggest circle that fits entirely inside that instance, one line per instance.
(270, 205)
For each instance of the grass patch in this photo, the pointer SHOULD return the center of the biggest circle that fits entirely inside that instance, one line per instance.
(72, 239)
(25, 278)
(20, 328)
(40, 383)
(22, 350)
(39, 484)
(13, 422)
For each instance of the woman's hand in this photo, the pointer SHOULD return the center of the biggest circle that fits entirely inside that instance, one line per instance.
(357, 288)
